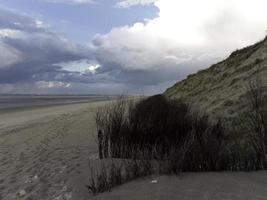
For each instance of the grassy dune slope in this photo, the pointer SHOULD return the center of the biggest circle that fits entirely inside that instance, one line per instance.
(219, 89)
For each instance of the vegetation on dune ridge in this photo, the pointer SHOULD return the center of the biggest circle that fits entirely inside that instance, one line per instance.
(219, 90)
(165, 136)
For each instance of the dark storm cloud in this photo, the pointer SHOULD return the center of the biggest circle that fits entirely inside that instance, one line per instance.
(37, 53)
(45, 47)
(40, 50)
(128, 57)
(31, 50)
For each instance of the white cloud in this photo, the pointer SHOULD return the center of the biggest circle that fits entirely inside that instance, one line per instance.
(40, 24)
(187, 35)
(82, 66)
(52, 84)
(9, 55)
(92, 68)
(129, 3)
(10, 33)
(73, 2)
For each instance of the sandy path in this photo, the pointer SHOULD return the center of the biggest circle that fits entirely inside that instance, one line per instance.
(44, 152)
(194, 186)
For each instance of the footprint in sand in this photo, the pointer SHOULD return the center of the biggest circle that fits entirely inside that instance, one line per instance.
(30, 169)
(13, 180)
(30, 188)
(75, 157)
(2, 188)
(18, 171)
(4, 163)
(2, 191)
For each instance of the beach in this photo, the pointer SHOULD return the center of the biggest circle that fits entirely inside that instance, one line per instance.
(45, 151)
(194, 186)
(45, 154)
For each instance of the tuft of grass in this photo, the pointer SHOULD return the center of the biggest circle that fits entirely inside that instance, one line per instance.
(99, 181)
(104, 177)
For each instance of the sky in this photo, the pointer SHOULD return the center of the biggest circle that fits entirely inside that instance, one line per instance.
(136, 47)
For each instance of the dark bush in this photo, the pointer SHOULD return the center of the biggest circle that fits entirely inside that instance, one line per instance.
(166, 133)
(157, 122)
(162, 129)
(253, 125)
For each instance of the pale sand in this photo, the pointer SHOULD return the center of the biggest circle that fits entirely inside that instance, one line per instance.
(44, 153)
(194, 186)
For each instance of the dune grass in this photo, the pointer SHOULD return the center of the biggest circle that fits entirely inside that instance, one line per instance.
(165, 136)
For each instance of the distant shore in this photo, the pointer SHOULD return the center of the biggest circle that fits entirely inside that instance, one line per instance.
(14, 102)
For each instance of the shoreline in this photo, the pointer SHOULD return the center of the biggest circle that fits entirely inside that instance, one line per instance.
(21, 116)
(32, 107)
(13, 104)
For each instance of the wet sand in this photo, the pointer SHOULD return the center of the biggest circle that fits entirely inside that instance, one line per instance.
(15, 102)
